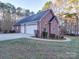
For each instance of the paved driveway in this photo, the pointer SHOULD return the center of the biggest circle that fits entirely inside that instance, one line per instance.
(19, 35)
(12, 36)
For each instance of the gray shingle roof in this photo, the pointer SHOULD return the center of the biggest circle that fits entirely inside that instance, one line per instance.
(31, 18)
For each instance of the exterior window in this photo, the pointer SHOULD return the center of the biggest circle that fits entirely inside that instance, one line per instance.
(45, 30)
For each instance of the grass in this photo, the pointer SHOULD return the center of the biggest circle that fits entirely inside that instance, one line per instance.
(33, 49)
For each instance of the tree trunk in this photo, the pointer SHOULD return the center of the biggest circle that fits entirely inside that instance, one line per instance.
(76, 24)
(71, 27)
(3, 18)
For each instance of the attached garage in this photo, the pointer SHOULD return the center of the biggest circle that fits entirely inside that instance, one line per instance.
(28, 29)
(38, 21)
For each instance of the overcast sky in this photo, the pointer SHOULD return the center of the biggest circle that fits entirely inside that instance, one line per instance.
(32, 5)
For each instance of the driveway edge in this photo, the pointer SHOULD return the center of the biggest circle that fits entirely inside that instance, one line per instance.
(67, 39)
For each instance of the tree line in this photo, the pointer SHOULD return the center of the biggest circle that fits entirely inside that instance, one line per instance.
(70, 13)
(9, 15)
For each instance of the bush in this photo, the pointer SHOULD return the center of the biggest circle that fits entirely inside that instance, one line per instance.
(44, 34)
(72, 34)
(36, 33)
(5, 31)
(52, 36)
(12, 31)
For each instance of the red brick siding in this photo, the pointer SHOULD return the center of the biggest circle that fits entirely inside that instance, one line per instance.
(17, 28)
(54, 27)
(44, 23)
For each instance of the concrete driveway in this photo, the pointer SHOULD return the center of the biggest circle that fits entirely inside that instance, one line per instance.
(19, 35)
(12, 36)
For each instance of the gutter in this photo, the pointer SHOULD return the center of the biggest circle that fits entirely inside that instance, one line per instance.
(53, 17)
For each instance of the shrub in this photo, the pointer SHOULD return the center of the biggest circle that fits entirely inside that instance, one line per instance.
(12, 31)
(5, 31)
(52, 36)
(36, 33)
(44, 34)
(72, 34)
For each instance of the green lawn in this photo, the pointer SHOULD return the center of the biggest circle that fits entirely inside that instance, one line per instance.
(34, 49)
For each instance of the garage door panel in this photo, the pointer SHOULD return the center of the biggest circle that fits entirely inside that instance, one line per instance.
(30, 29)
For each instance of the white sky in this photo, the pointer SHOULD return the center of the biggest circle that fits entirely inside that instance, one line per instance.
(33, 5)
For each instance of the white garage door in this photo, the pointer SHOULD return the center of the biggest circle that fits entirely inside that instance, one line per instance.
(30, 29)
(22, 29)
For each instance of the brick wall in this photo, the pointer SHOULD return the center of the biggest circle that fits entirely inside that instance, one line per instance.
(17, 28)
(54, 27)
(44, 23)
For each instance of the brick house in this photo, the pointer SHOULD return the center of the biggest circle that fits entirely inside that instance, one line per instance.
(43, 21)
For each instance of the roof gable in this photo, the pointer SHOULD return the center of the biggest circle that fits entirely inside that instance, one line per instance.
(35, 17)
(54, 17)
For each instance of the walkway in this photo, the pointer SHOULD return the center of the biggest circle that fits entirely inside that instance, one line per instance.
(19, 35)
(12, 36)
